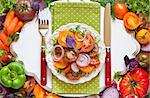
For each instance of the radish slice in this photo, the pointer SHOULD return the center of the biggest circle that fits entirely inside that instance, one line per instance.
(110, 92)
(83, 60)
(62, 53)
(74, 67)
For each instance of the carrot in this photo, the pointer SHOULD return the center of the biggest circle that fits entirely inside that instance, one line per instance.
(12, 26)
(2, 46)
(19, 25)
(9, 17)
(4, 38)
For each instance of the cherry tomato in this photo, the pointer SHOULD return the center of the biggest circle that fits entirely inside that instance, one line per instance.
(143, 36)
(88, 43)
(120, 9)
(94, 61)
(131, 20)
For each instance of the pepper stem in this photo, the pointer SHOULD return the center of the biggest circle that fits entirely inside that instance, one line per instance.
(12, 75)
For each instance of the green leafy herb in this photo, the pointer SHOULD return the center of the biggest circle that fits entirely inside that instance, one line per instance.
(117, 76)
(54, 40)
(15, 36)
(136, 6)
(139, 6)
(98, 55)
(6, 5)
(48, 3)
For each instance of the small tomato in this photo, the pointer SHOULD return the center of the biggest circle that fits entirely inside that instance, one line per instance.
(131, 20)
(120, 9)
(143, 36)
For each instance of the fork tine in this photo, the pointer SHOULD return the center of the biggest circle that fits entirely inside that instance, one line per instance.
(47, 22)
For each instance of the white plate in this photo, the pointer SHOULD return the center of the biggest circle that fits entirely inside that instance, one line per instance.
(100, 43)
(28, 49)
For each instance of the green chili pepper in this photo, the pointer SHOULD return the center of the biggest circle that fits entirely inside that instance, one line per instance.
(13, 75)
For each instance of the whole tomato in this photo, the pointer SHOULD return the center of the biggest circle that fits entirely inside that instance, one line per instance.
(134, 83)
(120, 10)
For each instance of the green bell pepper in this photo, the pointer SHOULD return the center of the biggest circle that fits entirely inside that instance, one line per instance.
(13, 75)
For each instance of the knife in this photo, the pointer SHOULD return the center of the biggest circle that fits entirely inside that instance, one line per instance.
(107, 41)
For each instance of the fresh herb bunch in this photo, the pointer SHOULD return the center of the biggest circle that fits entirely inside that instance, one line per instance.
(6, 5)
(48, 2)
(136, 6)
(139, 6)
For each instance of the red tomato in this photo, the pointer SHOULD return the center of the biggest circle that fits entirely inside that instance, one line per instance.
(86, 69)
(88, 44)
(120, 10)
(94, 61)
(131, 20)
(135, 82)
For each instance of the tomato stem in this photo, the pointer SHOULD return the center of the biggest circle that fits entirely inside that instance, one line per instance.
(133, 83)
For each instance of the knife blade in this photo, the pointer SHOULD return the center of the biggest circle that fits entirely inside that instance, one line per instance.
(107, 41)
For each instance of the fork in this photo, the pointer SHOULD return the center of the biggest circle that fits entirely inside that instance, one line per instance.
(43, 30)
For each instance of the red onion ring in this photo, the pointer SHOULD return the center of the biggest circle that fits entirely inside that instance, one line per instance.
(62, 53)
(83, 60)
(110, 92)
(74, 67)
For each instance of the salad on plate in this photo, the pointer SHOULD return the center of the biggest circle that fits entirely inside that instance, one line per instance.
(76, 52)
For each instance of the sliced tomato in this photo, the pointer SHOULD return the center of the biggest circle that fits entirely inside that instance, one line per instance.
(131, 20)
(87, 69)
(94, 61)
(88, 43)
(2, 46)
(62, 37)
(78, 45)
(61, 64)
(5, 39)
(72, 76)
(67, 69)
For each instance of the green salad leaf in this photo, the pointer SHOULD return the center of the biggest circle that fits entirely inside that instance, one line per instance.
(6, 5)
